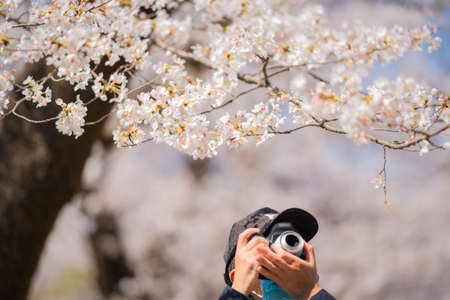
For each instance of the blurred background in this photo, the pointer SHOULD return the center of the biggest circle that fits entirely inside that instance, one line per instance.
(150, 223)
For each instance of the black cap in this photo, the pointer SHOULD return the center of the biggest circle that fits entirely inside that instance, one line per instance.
(264, 219)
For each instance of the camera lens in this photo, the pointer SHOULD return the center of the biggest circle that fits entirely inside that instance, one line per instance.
(292, 240)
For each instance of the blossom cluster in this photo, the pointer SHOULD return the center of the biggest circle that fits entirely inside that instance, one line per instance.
(34, 91)
(6, 85)
(401, 104)
(71, 118)
(241, 43)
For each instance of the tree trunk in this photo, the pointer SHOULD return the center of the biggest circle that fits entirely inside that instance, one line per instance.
(40, 171)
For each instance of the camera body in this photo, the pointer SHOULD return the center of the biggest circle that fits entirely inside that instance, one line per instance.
(284, 234)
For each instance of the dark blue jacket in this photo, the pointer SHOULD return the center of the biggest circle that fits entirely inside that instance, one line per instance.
(230, 294)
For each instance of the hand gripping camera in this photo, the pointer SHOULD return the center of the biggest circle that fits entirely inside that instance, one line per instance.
(283, 234)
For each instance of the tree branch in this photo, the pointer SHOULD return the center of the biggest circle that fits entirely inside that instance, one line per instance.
(205, 62)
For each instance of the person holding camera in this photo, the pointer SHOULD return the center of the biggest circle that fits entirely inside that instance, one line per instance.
(268, 257)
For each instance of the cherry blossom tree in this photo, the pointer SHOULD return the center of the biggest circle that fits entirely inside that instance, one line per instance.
(245, 44)
(270, 68)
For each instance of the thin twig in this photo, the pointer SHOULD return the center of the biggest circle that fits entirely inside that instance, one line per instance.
(27, 25)
(386, 130)
(98, 6)
(317, 77)
(265, 62)
(100, 119)
(384, 174)
(93, 99)
(134, 145)
(436, 146)
(146, 84)
(303, 126)
(230, 100)
(34, 121)
(329, 62)
(392, 145)
(14, 108)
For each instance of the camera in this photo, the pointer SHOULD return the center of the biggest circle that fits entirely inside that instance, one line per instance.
(283, 234)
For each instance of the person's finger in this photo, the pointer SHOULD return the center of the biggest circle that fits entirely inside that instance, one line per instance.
(288, 257)
(309, 254)
(243, 237)
(272, 257)
(267, 273)
(263, 261)
(256, 241)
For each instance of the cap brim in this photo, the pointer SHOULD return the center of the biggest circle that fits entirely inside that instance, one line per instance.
(302, 220)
